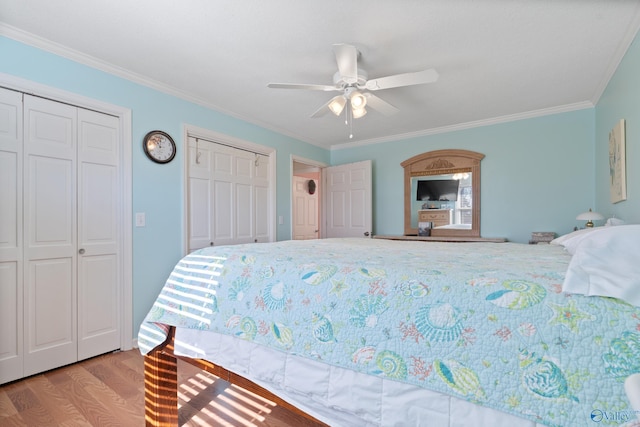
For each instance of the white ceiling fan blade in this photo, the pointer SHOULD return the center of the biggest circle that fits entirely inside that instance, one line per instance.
(321, 111)
(325, 88)
(407, 79)
(380, 105)
(347, 59)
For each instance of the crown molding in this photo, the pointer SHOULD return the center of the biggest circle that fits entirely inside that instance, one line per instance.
(470, 125)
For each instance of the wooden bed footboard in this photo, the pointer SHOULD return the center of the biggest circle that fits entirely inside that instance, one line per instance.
(161, 384)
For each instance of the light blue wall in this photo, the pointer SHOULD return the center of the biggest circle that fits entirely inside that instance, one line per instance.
(537, 174)
(157, 189)
(621, 100)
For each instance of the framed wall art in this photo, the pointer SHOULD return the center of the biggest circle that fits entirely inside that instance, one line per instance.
(617, 163)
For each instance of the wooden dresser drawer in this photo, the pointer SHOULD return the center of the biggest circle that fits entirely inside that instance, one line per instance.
(433, 216)
(438, 217)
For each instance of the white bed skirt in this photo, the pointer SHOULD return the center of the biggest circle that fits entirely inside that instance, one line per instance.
(336, 396)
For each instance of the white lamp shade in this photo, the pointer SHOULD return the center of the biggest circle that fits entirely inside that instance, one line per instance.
(360, 112)
(336, 105)
(358, 101)
(589, 216)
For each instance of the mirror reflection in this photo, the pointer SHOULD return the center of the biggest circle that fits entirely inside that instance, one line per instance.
(444, 200)
(442, 194)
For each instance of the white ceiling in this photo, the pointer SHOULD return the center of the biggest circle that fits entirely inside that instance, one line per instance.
(498, 60)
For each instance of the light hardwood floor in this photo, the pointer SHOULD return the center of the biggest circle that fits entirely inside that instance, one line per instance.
(108, 391)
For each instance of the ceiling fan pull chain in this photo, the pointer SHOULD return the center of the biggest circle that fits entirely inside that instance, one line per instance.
(350, 120)
(346, 114)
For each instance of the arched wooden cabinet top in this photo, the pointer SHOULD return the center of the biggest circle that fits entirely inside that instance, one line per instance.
(445, 163)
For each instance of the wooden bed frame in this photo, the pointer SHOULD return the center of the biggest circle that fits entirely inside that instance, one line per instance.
(161, 384)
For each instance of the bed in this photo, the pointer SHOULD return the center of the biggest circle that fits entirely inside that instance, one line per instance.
(374, 332)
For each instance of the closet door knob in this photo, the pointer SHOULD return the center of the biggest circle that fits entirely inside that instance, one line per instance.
(81, 251)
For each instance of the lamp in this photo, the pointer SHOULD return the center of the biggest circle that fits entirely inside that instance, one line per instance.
(358, 100)
(336, 105)
(589, 217)
(357, 113)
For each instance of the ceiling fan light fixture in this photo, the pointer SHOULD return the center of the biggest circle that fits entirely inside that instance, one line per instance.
(358, 101)
(337, 105)
(359, 112)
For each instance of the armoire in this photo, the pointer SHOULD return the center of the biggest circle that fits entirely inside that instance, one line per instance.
(61, 229)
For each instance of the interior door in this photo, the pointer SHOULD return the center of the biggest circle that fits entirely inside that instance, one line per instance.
(50, 253)
(11, 290)
(305, 210)
(98, 230)
(348, 207)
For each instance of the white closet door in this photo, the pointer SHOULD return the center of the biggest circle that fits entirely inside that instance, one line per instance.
(348, 201)
(199, 195)
(229, 195)
(261, 200)
(98, 231)
(49, 235)
(11, 361)
(242, 202)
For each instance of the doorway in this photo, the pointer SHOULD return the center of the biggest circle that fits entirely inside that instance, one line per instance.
(305, 201)
(344, 202)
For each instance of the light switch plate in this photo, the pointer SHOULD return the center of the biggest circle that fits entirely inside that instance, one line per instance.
(141, 219)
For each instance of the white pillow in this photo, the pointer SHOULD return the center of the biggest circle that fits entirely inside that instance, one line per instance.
(613, 222)
(607, 263)
(570, 241)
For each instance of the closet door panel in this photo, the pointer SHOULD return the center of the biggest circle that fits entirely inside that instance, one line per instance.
(261, 195)
(10, 175)
(10, 194)
(244, 213)
(98, 329)
(223, 217)
(199, 194)
(98, 234)
(11, 289)
(10, 323)
(49, 234)
(244, 170)
(223, 197)
(50, 328)
(261, 213)
(199, 213)
(50, 128)
(50, 208)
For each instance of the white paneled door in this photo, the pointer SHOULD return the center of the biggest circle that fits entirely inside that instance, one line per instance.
(348, 206)
(99, 233)
(11, 265)
(50, 286)
(70, 229)
(305, 210)
(228, 195)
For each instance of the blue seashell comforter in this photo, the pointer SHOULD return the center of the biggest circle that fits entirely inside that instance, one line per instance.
(486, 322)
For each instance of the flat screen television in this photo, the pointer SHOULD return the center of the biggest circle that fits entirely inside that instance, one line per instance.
(438, 190)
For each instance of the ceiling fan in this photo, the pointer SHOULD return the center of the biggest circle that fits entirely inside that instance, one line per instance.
(356, 88)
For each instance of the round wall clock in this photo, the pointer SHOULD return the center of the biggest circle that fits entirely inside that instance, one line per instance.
(159, 146)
